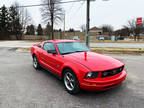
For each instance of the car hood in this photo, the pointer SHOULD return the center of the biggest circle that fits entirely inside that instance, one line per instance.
(95, 61)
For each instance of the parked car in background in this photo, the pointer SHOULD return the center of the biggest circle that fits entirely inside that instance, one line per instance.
(121, 37)
(101, 38)
(75, 38)
(77, 66)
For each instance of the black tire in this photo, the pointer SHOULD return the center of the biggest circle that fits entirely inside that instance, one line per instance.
(36, 64)
(73, 80)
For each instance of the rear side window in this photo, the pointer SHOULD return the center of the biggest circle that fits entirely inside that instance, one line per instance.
(49, 46)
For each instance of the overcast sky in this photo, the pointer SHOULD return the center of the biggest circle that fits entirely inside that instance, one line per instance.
(113, 12)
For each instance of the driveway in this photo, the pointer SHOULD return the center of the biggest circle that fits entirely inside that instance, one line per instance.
(21, 86)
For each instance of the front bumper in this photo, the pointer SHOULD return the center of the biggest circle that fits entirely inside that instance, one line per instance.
(101, 84)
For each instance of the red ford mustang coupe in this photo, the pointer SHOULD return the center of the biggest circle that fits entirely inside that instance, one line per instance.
(77, 66)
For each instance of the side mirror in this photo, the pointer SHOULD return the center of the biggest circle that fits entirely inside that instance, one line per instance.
(52, 51)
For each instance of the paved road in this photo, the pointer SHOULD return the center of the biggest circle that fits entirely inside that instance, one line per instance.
(13, 44)
(120, 45)
(29, 44)
(21, 86)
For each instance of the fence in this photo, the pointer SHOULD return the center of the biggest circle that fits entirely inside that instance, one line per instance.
(60, 35)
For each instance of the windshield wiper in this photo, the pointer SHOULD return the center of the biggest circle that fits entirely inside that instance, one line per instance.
(79, 51)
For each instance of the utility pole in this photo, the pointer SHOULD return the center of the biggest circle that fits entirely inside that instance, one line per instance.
(64, 25)
(88, 24)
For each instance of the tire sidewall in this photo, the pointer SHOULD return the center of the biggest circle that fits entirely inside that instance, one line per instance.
(76, 86)
(38, 66)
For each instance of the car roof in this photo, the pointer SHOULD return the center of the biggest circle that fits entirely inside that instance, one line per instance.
(61, 41)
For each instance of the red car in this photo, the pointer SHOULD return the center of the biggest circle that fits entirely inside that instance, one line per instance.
(77, 66)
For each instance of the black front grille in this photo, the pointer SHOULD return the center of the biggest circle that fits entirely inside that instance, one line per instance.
(112, 72)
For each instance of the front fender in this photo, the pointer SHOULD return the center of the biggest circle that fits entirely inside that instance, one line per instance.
(79, 70)
(35, 51)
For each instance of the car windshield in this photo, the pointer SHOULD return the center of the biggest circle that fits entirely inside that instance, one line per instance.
(71, 47)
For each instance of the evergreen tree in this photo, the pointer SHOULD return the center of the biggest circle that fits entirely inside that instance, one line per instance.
(39, 30)
(15, 25)
(4, 23)
(30, 30)
(48, 29)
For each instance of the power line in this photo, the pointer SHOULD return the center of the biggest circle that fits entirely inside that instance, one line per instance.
(51, 3)
(79, 8)
(71, 7)
(2, 2)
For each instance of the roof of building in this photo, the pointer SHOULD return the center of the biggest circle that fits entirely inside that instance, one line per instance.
(95, 28)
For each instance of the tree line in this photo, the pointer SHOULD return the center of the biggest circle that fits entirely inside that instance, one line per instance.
(13, 21)
(131, 29)
(16, 21)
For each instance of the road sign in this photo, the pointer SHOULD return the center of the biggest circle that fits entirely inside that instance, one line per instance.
(139, 21)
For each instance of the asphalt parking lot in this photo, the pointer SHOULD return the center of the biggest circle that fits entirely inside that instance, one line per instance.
(21, 86)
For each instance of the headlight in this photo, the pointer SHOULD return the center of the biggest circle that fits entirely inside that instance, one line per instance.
(91, 75)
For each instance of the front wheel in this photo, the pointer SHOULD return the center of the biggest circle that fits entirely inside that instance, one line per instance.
(71, 82)
(35, 63)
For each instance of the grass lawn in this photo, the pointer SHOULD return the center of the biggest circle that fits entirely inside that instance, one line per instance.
(118, 50)
(119, 41)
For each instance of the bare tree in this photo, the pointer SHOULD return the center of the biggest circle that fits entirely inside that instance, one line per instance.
(131, 24)
(122, 33)
(52, 12)
(134, 29)
(125, 31)
(83, 27)
(25, 18)
(108, 28)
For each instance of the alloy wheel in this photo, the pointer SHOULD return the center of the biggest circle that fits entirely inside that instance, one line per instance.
(35, 63)
(69, 81)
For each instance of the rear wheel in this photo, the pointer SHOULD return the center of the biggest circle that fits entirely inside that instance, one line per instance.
(35, 62)
(71, 82)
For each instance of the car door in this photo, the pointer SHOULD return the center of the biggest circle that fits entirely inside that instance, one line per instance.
(45, 56)
(51, 61)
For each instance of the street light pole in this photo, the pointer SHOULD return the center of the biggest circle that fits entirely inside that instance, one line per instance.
(88, 24)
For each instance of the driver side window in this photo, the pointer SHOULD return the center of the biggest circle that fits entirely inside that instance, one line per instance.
(49, 46)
